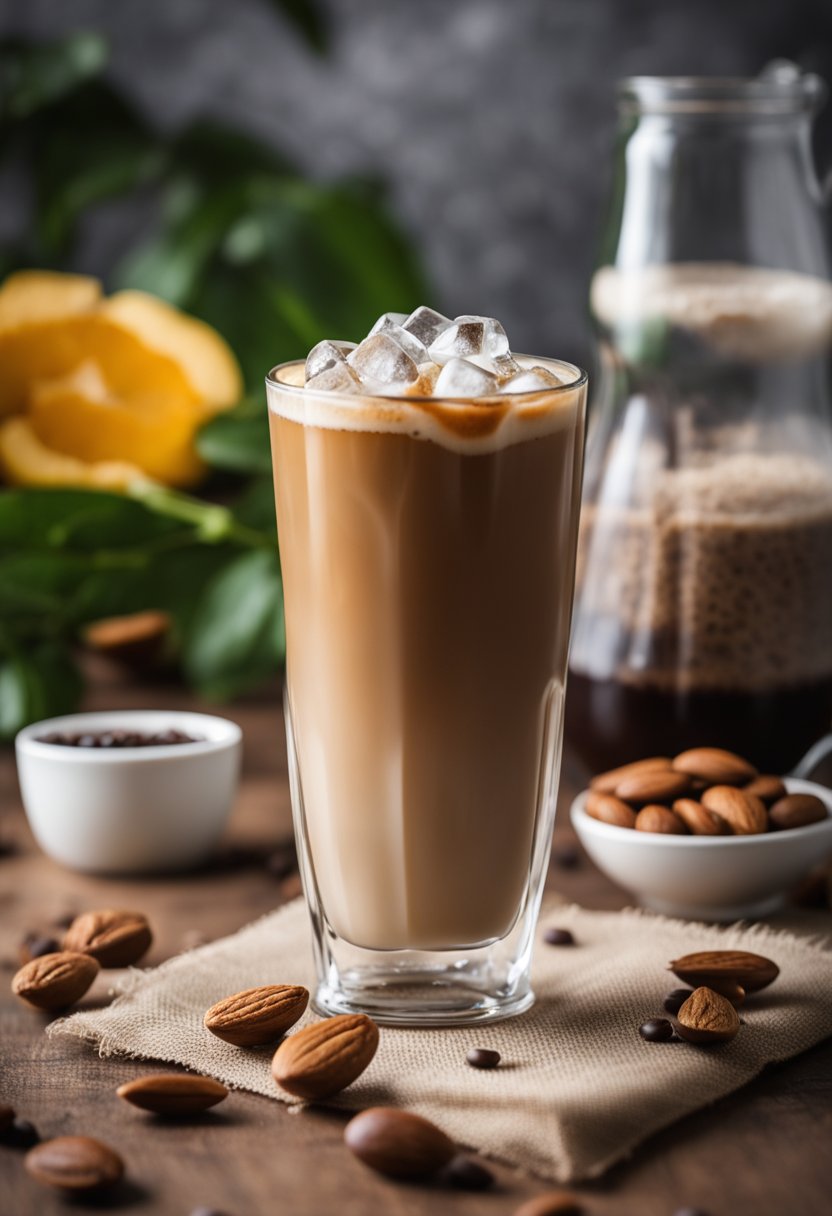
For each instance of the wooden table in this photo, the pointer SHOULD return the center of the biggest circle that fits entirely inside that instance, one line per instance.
(766, 1151)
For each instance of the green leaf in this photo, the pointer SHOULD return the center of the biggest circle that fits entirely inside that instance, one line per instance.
(40, 683)
(238, 440)
(237, 639)
(255, 506)
(308, 18)
(85, 520)
(115, 155)
(33, 76)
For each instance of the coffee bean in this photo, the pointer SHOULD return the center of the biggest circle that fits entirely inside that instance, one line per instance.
(566, 856)
(674, 1000)
(6, 1118)
(463, 1174)
(22, 1134)
(657, 1030)
(482, 1057)
(558, 937)
(35, 944)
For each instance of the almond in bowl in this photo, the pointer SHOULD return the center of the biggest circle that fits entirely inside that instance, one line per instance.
(703, 834)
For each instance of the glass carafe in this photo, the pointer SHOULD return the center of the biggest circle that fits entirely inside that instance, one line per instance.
(704, 599)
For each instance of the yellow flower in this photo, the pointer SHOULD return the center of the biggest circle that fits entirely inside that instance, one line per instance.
(98, 391)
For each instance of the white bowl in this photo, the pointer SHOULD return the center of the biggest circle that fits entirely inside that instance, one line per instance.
(133, 809)
(719, 878)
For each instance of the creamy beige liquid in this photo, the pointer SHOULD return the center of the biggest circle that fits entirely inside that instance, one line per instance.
(428, 577)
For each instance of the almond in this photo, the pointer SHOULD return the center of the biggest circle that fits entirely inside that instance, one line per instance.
(398, 1144)
(698, 819)
(606, 783)
(796, 811)
(609, 809)
(257, 1015)
(54, 981)
(768, 788)
(74, 1163)
(744, 813)
(173, 1093)
(659, 819)
(716, 967)
(552, 1203)
(715, 765)
(112, 936)
(657, 786)
(707, 1017)
(323, 1059)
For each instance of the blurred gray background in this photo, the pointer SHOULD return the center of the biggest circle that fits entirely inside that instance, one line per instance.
(492, 121)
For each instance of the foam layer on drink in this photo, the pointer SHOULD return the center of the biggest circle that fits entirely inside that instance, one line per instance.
(484, 424)
(744, 312)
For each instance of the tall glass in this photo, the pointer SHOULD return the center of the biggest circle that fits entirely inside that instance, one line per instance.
(428, 553)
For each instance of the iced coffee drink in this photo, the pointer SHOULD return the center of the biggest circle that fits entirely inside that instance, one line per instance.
(427, 485)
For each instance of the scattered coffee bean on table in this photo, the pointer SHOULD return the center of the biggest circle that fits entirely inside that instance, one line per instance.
(558, 937)
(35, 945)
(566, 856)
(656, 1030)
(21, 1134)
(482, 1057)
(674, 1000)
(117, 738)
(6, 1118)
(463, 1174)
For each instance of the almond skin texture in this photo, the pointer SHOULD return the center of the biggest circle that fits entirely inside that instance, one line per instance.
(553, 1203)
(660, 819)
(698, 819)
(325, 1058)
(744, 813)
(173, 1093)
(54, 981)
(609, 809)
(398, 1144)
(257, 1015)
(607, 783)
(114, 937)
(74, 1163)
(707, 1017)
(768, 788)
(714, 765)
(658, 786)
(714, 968)
(796, 811)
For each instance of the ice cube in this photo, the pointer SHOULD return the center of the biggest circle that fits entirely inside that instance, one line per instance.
(325, 355)
(380, 359)
(530, 380)
(386, 320)
(461, 378)
(501, 367)
(426, 324)
(409, 343)
(468, 336)
(424, 386)
(339, 378)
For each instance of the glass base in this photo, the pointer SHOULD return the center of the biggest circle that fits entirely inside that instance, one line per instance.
(427, 995)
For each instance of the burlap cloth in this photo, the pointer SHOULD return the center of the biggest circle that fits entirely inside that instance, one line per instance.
(577, 1089)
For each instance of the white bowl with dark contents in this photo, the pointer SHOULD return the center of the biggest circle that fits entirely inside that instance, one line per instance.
(720, 877)
(139, 791)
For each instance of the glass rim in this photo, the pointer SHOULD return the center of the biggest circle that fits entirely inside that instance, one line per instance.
(781, 88)
(580, 378)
